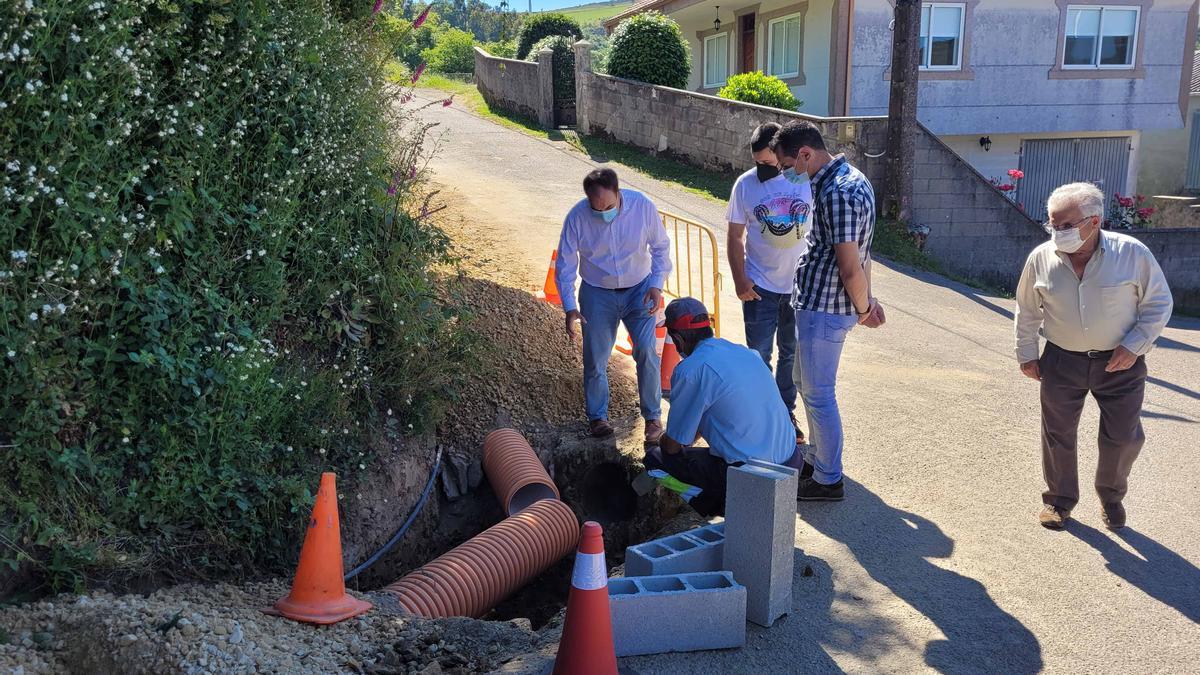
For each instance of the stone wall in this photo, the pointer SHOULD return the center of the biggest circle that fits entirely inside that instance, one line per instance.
(974, 230)
(524, 88)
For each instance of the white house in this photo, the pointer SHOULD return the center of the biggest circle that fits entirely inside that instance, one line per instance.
(1061, 89)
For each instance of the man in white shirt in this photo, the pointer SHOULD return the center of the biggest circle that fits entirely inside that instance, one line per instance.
(769, 216)
(615, 240)
(1101, 301)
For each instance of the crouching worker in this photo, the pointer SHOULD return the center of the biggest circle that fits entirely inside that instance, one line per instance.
(725, 394)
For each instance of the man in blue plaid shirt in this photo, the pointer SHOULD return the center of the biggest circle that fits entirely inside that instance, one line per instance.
(832, 293)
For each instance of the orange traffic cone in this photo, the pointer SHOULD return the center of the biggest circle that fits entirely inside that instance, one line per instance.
(550, 288)
(586, 647)
(318, 591)
(670, 359)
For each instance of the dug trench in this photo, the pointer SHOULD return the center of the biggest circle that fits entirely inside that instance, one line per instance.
(529, 379)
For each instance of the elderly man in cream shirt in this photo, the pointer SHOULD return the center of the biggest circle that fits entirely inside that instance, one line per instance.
(1101, 300)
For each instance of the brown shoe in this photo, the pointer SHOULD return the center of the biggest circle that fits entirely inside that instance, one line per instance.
(1053, 517)
(1113, 515)
(799, 432)
(654, 432)
(600, 429)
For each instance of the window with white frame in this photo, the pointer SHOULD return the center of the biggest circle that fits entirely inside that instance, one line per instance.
(783, 47)
(716, 60)
(942, 35)
(1100, 36)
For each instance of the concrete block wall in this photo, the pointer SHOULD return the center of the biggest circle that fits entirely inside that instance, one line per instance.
(1178, 252)
(525, 88)
(698, 550)
(677, 613)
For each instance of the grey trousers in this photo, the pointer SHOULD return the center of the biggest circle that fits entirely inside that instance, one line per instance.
(1067, 378)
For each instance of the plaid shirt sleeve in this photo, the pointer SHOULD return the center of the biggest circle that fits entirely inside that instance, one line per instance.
(846, 211)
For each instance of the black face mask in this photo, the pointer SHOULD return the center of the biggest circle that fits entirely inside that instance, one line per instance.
(766, 172)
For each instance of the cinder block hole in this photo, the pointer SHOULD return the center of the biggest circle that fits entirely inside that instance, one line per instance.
(680, 543)
(708, 535)
(704, 582)
(607, 495)
(655, 551)
(661, 584)
(621, 587)
(528, 496)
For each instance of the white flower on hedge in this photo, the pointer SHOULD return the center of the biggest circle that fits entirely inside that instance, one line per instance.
(19, 255)
(61, 308)
(33, 316)
(11, 354)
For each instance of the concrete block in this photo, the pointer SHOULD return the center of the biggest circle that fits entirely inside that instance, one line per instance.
(677, 613)
(760, 536)
(698, 550)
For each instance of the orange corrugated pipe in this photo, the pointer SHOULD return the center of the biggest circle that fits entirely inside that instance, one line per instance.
(474, 577)
(517, 476)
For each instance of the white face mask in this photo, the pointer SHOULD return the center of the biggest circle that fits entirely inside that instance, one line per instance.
(1067, 241)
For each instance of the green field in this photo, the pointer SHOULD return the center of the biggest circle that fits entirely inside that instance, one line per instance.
(598, 11)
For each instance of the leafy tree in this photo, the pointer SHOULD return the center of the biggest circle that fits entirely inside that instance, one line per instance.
(395, 30)
(506, 49)
(539, 26)
(453, 53)
(650, 48)
(760, 89)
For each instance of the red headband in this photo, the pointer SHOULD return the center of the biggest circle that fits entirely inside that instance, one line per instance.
(687, 321)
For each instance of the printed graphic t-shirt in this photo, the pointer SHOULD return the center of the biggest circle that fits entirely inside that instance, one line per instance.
(777, 215)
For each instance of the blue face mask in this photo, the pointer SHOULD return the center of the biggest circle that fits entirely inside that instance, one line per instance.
(609, 215)
(794, 176)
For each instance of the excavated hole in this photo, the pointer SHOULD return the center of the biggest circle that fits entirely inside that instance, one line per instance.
(607, 495)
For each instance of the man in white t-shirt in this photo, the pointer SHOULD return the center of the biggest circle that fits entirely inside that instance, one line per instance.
(769, 216)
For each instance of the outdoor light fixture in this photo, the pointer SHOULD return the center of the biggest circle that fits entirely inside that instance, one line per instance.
(717, 21)
(985, 142)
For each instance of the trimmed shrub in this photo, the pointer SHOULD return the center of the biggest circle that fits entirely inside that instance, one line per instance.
(206, 295)
(540, 26)
(650, 48)
(760, 89)
(563, 63)
(454, 52)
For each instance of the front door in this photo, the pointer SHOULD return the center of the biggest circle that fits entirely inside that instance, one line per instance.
(746, 27)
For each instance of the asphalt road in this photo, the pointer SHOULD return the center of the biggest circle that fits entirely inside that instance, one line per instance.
(935, 561)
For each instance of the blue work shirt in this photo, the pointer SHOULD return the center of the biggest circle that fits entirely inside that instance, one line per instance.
(620, 254)
(726, 394)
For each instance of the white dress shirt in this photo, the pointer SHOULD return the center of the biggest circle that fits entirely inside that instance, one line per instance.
(1122, 299)
(620, 254)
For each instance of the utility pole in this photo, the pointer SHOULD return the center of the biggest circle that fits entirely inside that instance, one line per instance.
(902, 109)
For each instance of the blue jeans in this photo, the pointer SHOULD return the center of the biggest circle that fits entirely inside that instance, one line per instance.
(773, 321)
(819, 340)
(602, 310)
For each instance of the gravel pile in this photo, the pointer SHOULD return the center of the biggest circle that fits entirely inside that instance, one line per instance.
(219, 629)
(533, 377)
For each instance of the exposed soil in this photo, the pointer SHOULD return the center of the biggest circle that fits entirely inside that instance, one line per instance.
(532, 382)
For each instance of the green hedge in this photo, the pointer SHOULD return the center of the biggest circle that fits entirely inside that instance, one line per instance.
(205, 296)
(544, 25)
(649, 47)
(760, 89)
(453, 52)
(563, 64)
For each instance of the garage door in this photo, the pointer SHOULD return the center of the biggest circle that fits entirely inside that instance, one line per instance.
(1049, 163)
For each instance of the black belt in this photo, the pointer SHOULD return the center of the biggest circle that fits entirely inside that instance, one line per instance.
(1091, 353)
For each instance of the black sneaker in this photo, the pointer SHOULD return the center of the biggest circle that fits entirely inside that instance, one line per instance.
(812, 491)
(806, 471)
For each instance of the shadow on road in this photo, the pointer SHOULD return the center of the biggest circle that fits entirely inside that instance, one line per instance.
(1160, 572)
(894, 547)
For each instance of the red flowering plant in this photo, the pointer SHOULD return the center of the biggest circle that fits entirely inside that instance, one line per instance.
(1009, 187)
(1127, 212)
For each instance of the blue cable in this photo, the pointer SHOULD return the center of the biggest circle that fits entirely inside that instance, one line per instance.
(437, 465)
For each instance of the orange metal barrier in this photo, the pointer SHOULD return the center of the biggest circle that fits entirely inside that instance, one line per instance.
(696, 264)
